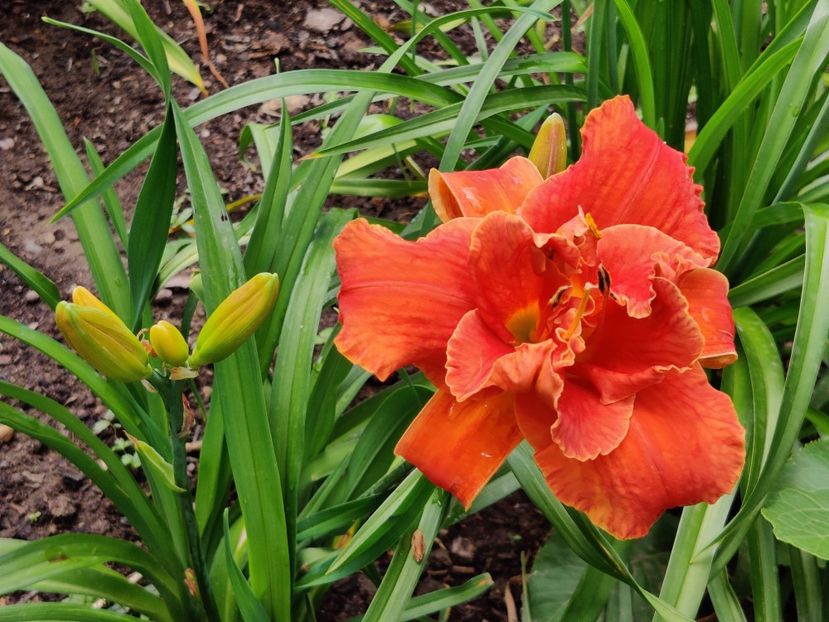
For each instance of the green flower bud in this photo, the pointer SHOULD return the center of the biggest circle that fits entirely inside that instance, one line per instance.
(549, 150)
(169, 344)
(100, 337)
(235, 319)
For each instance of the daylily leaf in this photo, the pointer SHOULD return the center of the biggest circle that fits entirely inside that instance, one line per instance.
(556, 575)
(798, 508)
(153, 461)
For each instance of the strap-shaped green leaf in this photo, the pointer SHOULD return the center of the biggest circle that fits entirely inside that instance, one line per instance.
(409, 561)
(59, 612)
(809, 60)
(90, 222)
(250, 608)
(291, 385)
(804, 365)
(237, 388)
(151, 220)
(31, 276)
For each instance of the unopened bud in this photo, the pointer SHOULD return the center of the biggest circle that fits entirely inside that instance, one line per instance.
(235, 319)
(85, 298)
(169, 344)
(100, 337)
(549, 150)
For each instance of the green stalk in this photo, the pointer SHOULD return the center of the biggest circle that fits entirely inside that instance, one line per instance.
(171, 394)
(765, 584)
(689, 566)
(808, 592)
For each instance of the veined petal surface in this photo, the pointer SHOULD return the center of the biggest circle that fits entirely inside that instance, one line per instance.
(460, 445)
(400, 301)
(706, 291)
(478, 193)
(626, 174)
(685, 445)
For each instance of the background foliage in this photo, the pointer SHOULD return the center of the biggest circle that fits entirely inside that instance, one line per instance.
(308, 466)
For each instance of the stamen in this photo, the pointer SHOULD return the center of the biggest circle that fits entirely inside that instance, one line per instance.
(591, 224)
(604, 280)
(553, 302)
(579, 313)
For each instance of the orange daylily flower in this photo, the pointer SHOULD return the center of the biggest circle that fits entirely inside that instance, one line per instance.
(577, 312)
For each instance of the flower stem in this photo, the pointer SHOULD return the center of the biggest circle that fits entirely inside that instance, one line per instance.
(171, 394)
(689, 566)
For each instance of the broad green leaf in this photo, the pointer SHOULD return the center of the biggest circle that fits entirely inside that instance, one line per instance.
(555, 581)
(798, 506)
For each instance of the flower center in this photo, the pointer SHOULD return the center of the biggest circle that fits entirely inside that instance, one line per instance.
(523, 323)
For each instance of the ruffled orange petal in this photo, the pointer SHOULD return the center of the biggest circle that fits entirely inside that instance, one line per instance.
(459, 446)
(512, 277)
(631, 255)
(707, 294)
(400, 301)
(477, 193)
(624, 355)
(586, 427)
(626, 175)
(685, 445)
(477, 359)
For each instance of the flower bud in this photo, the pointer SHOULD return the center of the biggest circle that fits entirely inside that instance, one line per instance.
(85, 298)
(100, 337)
(549, 150)
(169, 344)
(235, 319)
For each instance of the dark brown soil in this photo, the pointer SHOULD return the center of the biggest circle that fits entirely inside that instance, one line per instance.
(100, 95)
